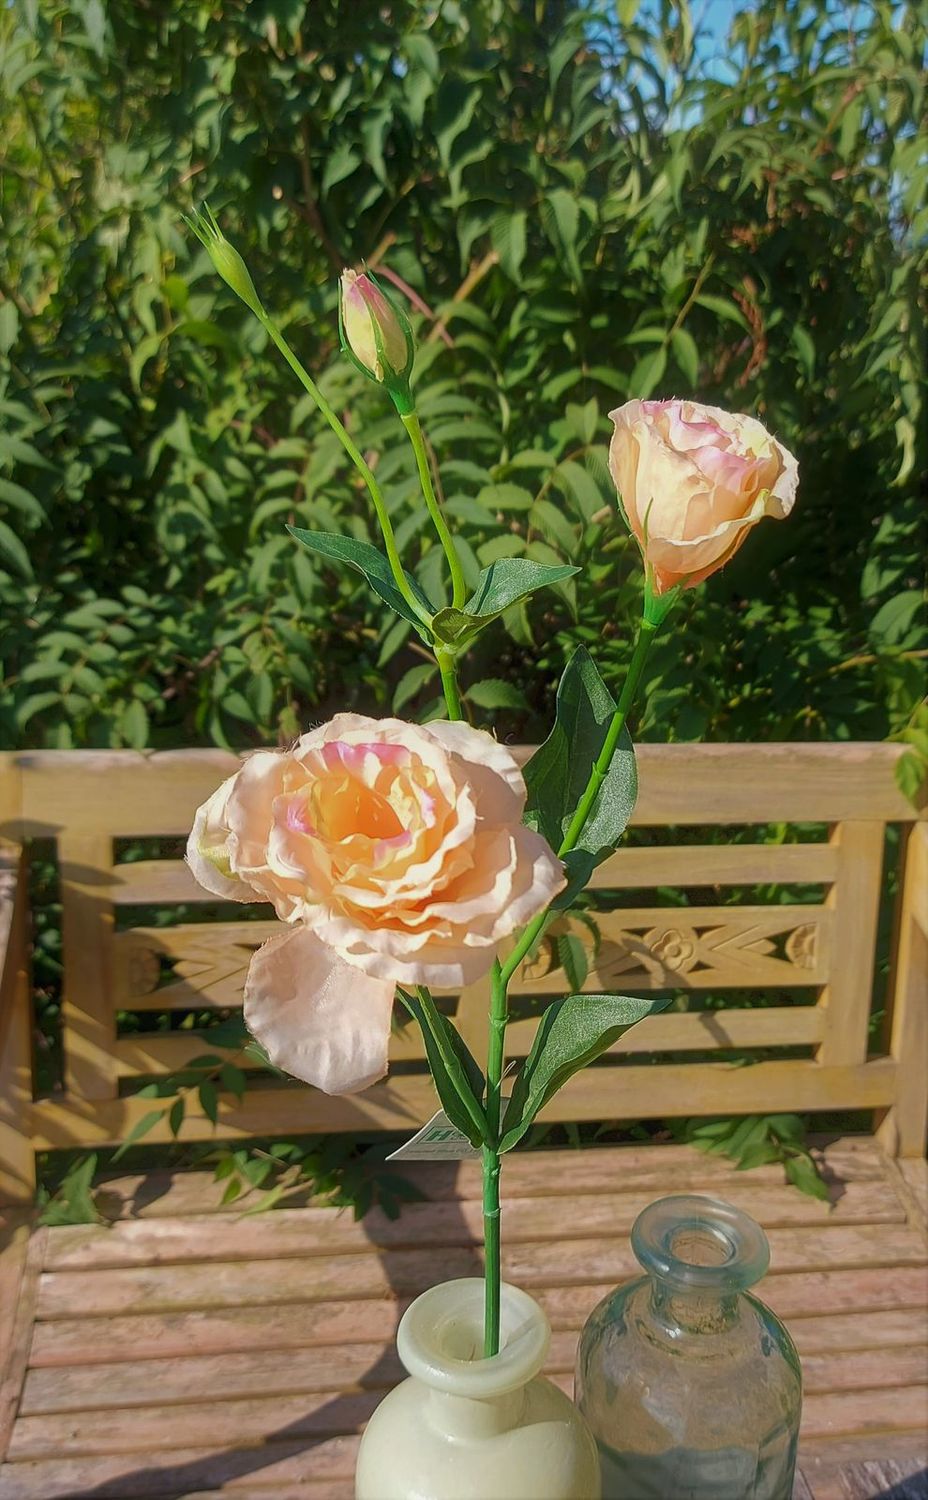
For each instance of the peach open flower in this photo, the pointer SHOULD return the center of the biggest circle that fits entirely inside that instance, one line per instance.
(397, 855)
(693, 480)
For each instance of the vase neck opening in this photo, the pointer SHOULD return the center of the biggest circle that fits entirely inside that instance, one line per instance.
(701, 1254)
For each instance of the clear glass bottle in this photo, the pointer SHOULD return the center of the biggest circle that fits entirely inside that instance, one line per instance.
(691, 1386)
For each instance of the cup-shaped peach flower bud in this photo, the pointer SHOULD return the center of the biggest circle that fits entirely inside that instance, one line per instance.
(225, 257)
(692, 481)
(375, 331)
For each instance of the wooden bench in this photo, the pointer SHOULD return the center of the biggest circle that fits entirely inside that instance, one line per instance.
(187, 1349)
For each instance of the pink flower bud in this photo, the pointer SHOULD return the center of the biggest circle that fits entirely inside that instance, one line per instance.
(374, 330)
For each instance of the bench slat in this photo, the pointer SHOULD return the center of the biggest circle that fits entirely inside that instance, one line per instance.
(155, 882)
(659, 1166)
(239, 1423)
(132, 794)
(404, 1102)
(305, 1323)
(885, 1346)
(320, 1231)
(406, 1272)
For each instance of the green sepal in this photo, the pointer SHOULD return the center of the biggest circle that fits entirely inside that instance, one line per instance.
(558, 774)
(375, 566)
(457, 1076)
(571, 1033)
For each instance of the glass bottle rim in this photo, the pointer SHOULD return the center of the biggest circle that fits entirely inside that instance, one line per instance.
(700, 1244)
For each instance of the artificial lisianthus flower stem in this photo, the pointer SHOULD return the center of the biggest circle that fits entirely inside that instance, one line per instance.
(502, 974)
(449, 683)
(364, 469)
(413, 427)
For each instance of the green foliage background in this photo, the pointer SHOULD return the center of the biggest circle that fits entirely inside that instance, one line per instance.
(585, 212)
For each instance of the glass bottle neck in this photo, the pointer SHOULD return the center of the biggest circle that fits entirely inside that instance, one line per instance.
(701, 1255)
(688, 1310)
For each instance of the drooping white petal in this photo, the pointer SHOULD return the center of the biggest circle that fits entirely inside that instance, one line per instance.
(318, 1017)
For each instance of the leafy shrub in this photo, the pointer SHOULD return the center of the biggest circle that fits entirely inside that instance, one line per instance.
(583, 209)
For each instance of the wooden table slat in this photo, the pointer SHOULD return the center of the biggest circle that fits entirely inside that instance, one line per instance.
(320, 1231)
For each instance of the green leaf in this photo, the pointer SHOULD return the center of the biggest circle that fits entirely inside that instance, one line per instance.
(372, 563)
(12, 547)
(342, 160)
(648, 373)
(501, 584)
(560, 216)
(803, 1174)
(686, 353)
(209, 1099)
(140, 1128)
(505, 497)
(233, 1080)
(759, 1154)
(572, 1032)
(267, 1200)
(493, 692)
(804, 345)
(9, 326)
(73, 1203)
(724, 309)
(458, 1079)
(891, 624)
(22, 452)
(510, 579)
(176, 1114)
(133, 725)
(411, 683)
(21, 499)
(571, 957)
(508, 237)
(911, 774)
(558, 773)
(579, 484)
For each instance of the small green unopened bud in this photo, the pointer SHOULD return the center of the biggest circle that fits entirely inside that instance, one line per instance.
(376, 334)
(225, 258)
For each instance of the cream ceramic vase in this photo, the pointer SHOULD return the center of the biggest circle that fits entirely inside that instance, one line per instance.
(467, 1428)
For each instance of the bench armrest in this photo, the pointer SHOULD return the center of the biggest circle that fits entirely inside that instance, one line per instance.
(16, 1154)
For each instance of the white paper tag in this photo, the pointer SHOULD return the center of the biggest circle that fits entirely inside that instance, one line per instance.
(438, 1140)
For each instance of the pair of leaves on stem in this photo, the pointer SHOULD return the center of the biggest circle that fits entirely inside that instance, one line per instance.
(559, 772)
(572, 1032)
(503, 583)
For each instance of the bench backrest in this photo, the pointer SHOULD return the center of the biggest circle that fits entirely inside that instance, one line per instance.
(786, 915)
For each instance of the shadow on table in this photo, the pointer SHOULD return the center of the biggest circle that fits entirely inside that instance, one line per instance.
(340, 1416)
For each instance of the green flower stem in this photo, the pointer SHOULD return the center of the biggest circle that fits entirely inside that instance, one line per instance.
(646, 633)
(411, 422)
(491, 1163)
(447, 666)
(354, 453)
(653, 615)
